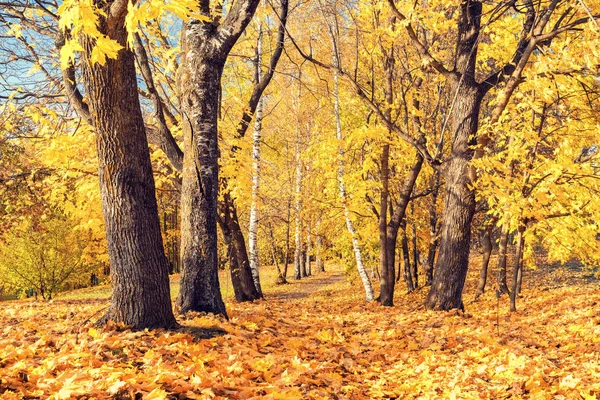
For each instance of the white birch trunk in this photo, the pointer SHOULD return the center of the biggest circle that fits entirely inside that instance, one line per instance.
(308, 251)
(369, 295)
(298, 206)
(256, 138)
(297, 210)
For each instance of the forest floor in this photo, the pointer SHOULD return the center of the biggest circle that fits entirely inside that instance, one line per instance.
(317, 339)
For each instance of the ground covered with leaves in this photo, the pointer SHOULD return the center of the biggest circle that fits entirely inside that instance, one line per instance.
(317, 339)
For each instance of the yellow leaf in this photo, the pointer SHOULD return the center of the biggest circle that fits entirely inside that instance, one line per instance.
(94, 333)
(67, 53)
(105, 47)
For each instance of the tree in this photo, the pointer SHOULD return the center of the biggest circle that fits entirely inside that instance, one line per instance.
(139, 268)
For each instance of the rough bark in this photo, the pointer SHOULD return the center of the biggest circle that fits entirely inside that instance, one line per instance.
(205, 48)
(139, 268)
(459, 205)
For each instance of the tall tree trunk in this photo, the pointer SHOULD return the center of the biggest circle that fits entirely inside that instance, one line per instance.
(415, 249)
(241, 278)
(387, 278)
(298, 236)
(287, 240)
(205, 47)
(400, 212)
(433, 228)
(200, 84)
(518, 272)
(256, 138)
(308, 252)
(138, 267)
(459, 206)
(487, 253)
(362, 272)
(502, 255)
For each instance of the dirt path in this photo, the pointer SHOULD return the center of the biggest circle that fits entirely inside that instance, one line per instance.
(322, 285)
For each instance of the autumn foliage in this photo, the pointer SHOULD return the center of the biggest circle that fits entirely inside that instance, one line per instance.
(316, 339)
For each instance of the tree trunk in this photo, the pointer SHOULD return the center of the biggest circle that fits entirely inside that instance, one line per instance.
(280, 276)
(256, 138)
(362, 272)
(518, 273)
(502, 255)
(205, 47)
(433, 228)
(298, 236)
(308, 251)
(406, 260)
(303, 262)
(415, 249)
(287, 241)
(387, 278)
(200, 84)
(138, 267)
(319, 262)
(241, 277)
(487, 253)
(459, 206)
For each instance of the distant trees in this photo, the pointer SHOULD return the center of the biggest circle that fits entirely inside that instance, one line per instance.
(44, 256)
(489, 104)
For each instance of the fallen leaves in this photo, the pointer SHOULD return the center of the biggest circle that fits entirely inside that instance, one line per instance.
(319, 347)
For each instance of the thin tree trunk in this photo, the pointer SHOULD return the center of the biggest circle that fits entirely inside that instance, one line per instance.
(298, 236)
(319, 262)
(433, 229)
(502, 255)
(362, 272)
(415, 249)
(387, 281)
(287, 240)
(280, 276)
(138, 266)
(406, 260)
(487, 253)
(241, 277)
(308, 252)
(518, 267)
(256, 138)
